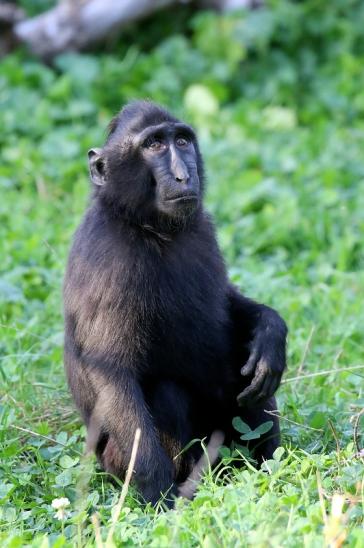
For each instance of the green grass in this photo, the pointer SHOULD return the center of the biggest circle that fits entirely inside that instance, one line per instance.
(278, 103)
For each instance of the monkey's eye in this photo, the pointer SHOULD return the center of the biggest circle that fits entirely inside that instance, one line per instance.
(182, 141)
(154, 144)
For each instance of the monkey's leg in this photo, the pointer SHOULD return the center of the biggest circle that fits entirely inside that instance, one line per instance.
(80, 384)
(173, 413)
(118, 411)
(170, 407)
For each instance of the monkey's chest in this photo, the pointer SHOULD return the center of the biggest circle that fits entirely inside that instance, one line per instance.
(190, 338)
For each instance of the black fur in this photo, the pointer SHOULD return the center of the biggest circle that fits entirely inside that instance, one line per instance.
(155, 335)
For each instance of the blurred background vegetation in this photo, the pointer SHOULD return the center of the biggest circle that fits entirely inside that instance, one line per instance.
(277, 97)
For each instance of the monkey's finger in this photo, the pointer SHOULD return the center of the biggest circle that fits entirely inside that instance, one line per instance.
(276, 381)
(254, 388)
(250, 365)
(267, 389)
(270, 386)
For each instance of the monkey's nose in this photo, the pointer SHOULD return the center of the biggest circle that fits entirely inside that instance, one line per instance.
(182, 179)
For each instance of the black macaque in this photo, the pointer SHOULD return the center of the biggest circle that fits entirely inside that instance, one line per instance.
(155, 335)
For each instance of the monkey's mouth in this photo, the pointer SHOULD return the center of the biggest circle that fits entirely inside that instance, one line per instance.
(190, 197)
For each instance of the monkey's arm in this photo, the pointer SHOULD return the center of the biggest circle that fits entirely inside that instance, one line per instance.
(264, 332)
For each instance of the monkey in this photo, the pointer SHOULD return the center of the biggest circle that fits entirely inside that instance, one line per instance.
(156, 336)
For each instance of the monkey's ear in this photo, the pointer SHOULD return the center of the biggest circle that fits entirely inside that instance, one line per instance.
(97, 166)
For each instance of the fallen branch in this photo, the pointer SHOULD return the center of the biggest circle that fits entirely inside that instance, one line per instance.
(10, 15)
(76, 24)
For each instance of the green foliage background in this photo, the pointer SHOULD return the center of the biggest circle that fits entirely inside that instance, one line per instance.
(277, 97)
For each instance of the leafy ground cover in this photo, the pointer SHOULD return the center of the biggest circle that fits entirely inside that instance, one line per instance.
(278, 102)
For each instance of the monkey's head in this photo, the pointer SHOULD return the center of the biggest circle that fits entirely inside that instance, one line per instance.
(150, 168)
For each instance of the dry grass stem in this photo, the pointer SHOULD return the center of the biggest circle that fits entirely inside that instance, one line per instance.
(125, 488)
(305, 352)
(356, 431)
(96, 526)
(320, 373)
(32, 433)
(275, 413)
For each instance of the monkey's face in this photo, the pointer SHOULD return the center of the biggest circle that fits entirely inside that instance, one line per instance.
(150, 167)
(168, 151)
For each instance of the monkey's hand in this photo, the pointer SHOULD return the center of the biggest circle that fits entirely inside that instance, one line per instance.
(267, 359)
